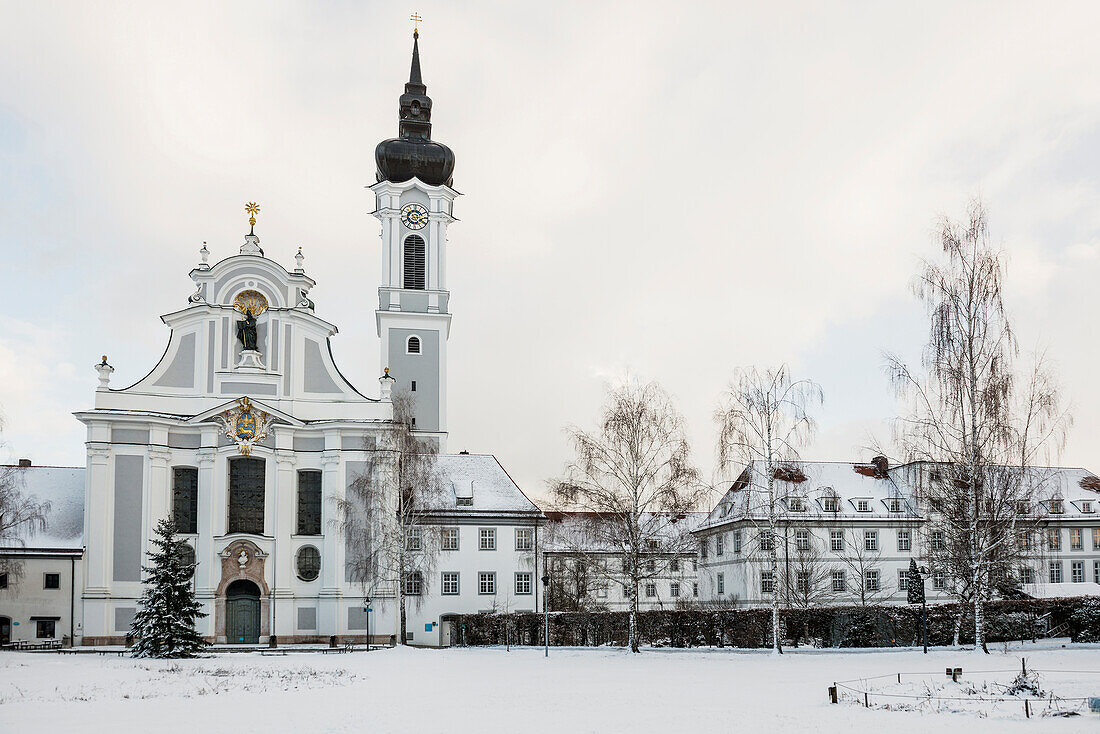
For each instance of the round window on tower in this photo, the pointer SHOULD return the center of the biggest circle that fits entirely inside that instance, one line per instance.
(308, 563)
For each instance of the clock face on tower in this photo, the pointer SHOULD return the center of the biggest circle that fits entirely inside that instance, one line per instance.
(414, 216)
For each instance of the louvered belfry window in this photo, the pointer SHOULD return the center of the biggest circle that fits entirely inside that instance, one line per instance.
(246, 495)
(415, 262)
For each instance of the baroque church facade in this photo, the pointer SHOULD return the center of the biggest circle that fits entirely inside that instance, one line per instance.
(248, 435)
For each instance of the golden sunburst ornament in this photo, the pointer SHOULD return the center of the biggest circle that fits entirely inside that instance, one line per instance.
(250, 301)
(253, 209)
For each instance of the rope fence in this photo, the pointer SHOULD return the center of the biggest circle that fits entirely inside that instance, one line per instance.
(1052, 702)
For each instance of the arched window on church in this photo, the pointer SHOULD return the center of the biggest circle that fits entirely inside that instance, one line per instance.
(415, 259)
(413, 345)
(247, 481)
(309, 503)
(185, 498)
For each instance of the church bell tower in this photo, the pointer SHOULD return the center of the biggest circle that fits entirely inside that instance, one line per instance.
(413, 202)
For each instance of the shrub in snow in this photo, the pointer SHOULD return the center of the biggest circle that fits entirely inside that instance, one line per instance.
(164, 626)
(1085, 621)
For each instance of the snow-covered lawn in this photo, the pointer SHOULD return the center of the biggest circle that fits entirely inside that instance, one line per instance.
(491, 690)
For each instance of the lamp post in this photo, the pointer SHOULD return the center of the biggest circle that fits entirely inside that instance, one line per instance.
(546, 613)
(367, 611)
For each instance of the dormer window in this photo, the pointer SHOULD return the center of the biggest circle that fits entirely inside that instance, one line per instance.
(796, 504)
(1057, 507)
(830, 504)
(464, 501)
(1023, 507)
(894, 504)
(1086, 506)
(863, 505)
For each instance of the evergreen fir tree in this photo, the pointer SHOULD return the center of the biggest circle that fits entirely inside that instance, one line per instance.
(164, 626)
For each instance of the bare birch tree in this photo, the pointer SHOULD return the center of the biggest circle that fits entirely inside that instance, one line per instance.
(21, 516)
(387, 516)
(763, 421)
(973, 423)
(635, 476)
(862, 555)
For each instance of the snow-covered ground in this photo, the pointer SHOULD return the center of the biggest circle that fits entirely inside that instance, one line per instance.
(491, 690)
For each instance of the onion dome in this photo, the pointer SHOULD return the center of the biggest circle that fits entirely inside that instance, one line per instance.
(413, 152)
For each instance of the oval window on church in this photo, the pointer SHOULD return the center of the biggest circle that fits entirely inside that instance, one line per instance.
(414, 345)
(308, 563)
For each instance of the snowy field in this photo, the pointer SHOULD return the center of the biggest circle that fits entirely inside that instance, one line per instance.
(491, 690)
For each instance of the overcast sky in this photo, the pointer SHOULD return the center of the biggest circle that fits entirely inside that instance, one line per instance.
(673, 190)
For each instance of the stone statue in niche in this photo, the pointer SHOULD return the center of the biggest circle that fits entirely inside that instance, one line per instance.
(246, 331)
(242, 559)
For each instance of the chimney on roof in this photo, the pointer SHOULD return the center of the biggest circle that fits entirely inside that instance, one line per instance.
(24, 463)
(464, 452)
(882, 465)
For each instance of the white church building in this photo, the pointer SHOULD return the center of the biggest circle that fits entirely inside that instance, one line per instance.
(247, 434)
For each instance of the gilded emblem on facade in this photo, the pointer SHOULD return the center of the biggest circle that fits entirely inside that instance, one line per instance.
(252, 302)
(245, 425)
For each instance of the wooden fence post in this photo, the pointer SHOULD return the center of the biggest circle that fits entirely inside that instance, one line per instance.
(832, 693)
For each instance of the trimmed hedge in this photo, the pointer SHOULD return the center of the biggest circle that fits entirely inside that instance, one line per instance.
(847, 626)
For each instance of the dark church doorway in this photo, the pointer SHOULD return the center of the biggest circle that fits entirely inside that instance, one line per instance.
(242, 613)
(5, 630)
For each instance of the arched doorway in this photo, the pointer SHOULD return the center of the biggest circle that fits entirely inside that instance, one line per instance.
(242, 613)
(5, 630)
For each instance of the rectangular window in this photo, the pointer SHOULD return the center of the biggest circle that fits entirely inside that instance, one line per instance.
(449, 539)
(247, 482)
(870, 540)
(309, 503)
(523, 582)
(766, 541)
(414, 539)
(1023, 507)
(939, 580)
(45, 629)
(1057, 507)
(448, 583)
(1028, 540)
(719, 544)
(802, 582)
(413, 388)
(802, 540)
(863, 505)
(1086, 507)
(1027, 575)
(836, 540)
(651, 545)
(767, 582)
(650, 590)
(185, 498)
(1096, 572)
(796, 504)
(487, 582)
(721, 586)
(1096, 538)
(1077, 572)
(703, 548)
(414, 584)
(870, 580)
(525, 539)
(936, 540)
(601, 590)
(464, 501)
(695, 588)
(839, 583)
(894, 504)
(1054, 539)
(905, 540)
(674, 589)
(651, 566)
(903, 579)
(51, 581)
(830, 504)
(736, 541)
(3, 581)
(1075, 541)
(1055, 572)
(487, 539)
(674, 565)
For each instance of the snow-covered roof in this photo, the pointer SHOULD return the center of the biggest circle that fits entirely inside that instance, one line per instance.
(808, 490)
(1062, 590)
(571, 532)
(63, 488)
(482, 480)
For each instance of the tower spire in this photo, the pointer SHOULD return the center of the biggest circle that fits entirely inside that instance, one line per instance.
(414, 71)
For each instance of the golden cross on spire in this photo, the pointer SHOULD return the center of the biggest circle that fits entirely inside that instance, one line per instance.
(416, 20)
(253, 209)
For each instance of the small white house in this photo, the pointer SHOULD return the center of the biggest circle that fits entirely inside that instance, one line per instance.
(40, 572)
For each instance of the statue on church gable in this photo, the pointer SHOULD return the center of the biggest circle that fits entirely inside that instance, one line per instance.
(246, 331)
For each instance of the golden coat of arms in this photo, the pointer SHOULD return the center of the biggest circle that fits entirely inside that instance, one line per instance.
(245, 425)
